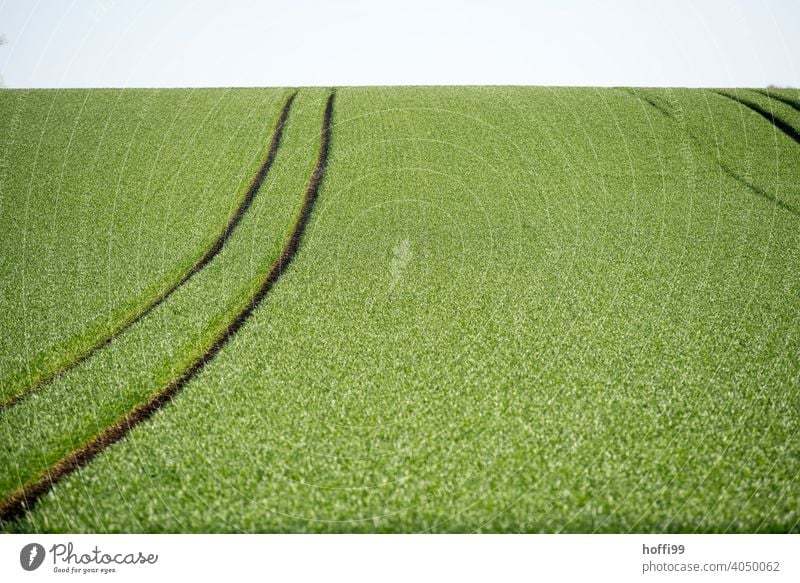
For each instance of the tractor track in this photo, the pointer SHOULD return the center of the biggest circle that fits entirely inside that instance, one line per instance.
(776, 121)
(777, 97)
(207, 257)
(724, 167)
(24, 498)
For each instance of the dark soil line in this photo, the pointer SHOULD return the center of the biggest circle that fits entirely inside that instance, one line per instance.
(782, 98)
(654, 103)
(207, 257)
(768, 115)
(23, 499)
(729, 171)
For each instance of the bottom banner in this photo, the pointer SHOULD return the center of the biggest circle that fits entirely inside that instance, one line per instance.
(400, 557)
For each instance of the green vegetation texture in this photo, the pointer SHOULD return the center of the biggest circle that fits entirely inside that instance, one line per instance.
(107, 197)
(513, 310)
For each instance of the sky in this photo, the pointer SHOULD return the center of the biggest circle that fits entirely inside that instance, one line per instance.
(203, 43)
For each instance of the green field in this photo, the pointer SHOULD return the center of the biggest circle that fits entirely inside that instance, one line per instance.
(111, 196)
(511, 310)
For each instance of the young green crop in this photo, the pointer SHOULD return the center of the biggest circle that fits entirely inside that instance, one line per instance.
(785, 106)
(108, 197)
(514, 310)
(68, 412)
(788, 96)
(785, 103)
(757, 153)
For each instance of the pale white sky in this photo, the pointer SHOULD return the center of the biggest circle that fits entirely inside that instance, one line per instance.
(165, 43)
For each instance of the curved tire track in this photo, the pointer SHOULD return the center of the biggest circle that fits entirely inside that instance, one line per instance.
(779, 123)
(724, 167)
(23, 499)
(783, 99)
(207, 257)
